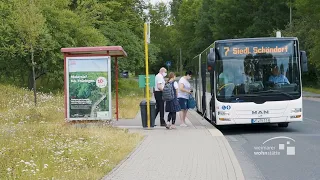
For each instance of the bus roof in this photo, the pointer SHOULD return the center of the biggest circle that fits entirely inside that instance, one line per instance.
(204, 50)
(257, 39)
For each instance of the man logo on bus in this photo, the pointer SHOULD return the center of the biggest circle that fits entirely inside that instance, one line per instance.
(260, 112)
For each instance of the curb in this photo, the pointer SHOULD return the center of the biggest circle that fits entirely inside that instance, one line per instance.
(312, 99)
(214, 132)
(122, 161)
(310, 96)
(235, 163)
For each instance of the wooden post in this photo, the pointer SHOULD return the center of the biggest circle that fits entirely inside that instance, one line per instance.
(117, 108)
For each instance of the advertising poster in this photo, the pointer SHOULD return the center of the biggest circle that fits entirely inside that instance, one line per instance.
(89, 88)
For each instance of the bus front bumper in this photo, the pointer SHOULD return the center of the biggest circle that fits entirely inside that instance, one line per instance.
(264, 120)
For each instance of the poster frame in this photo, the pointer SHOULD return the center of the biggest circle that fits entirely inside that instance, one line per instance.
(67, 102)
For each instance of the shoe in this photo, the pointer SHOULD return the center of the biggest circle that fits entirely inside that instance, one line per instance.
(183, 125)
(173, 126)
(168, 125)
(163, 123)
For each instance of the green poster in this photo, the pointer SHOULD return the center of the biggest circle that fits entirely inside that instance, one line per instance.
(89, 89)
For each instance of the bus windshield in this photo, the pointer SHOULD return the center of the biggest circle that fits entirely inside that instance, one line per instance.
(260, 77)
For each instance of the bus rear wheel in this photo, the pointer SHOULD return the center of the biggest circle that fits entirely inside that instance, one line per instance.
(283, 124)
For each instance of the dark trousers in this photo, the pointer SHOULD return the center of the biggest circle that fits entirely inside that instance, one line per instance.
(160, 106)
(172, 115)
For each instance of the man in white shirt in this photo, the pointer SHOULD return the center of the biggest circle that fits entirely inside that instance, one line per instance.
(159, 80)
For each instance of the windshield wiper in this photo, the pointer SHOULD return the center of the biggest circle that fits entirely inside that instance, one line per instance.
(276, 91)
(244, 95)
(240, 97)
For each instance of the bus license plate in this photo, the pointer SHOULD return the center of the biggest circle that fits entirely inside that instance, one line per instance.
(261, 120)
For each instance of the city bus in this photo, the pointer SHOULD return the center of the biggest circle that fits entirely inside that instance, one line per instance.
(250, 81)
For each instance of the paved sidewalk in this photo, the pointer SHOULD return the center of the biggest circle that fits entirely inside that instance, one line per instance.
(198, 151)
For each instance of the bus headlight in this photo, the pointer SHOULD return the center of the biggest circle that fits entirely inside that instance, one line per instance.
(296, 110)
(223, 113)
(224, 119)
(297, 116)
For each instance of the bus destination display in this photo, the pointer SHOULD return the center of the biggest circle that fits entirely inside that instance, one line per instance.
(243, 49)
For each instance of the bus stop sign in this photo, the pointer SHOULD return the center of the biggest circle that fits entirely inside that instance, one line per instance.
(142, 81)
(168, 63)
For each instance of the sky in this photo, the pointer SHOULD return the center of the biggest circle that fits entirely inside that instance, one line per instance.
(157, 1)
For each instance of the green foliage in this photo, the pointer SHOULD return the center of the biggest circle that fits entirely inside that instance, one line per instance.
(28, 21)
(306, 27)
(189, 25)
(197, 24)
(188, 17)
(129, 86)
(51, 25)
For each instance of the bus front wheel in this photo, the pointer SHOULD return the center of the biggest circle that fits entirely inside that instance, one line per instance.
(283, 124)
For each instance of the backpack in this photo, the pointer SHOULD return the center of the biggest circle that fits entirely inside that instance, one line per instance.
(167, 93)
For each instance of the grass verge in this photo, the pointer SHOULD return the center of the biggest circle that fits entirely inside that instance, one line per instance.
(130, 96)
(36, 144)
(312, 89)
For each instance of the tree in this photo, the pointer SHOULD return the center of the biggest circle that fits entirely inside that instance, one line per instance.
(174, 10)
(306, 27)
(161, 46)
(30, 24)
(38, 29)
(186, 26)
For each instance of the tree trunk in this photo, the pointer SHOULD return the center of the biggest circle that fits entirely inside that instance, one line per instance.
(30, 81)
(14, 77)
(22, 78)
(33, 77)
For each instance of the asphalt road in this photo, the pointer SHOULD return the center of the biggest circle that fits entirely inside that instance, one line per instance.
(247, 143)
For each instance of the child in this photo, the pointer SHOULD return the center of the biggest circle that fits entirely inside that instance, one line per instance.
(172, 106)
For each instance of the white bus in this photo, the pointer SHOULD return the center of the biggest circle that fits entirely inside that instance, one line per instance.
(249, 81)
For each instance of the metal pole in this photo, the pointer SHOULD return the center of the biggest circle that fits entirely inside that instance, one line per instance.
(117, 107)
(147, 72)
(66, 93)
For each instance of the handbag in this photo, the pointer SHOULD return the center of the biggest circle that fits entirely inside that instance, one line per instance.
(191, 102)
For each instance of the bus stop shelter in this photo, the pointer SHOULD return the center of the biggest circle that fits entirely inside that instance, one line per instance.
(90, 52)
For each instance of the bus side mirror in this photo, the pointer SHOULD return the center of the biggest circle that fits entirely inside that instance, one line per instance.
(211, 59)
(304, 61)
